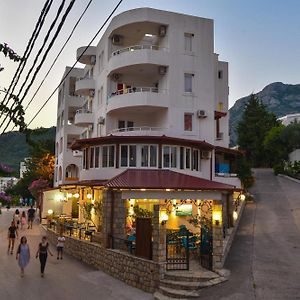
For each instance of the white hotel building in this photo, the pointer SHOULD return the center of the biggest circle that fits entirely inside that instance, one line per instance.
(145, 122)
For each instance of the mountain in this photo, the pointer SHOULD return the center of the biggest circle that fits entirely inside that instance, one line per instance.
(13, 146)
(279, 98)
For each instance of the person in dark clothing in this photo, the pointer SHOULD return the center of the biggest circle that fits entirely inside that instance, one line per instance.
(12, 234)
(30, 214)
(42, 253)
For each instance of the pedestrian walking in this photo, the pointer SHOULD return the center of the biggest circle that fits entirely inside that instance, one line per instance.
(30, 214)
(23, 219)
(42, 253)
(23, 254)
(12, 234)
(16, 218)
(60, 245)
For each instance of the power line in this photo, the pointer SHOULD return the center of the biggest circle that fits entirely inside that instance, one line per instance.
(48, 99)
(28, 50)
(62, 48)
(44, 56)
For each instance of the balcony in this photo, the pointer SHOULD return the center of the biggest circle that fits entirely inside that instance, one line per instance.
(88, 57)
(83, 118)
(85, 87)
(143, 130)
(138, 54)
(138, 97)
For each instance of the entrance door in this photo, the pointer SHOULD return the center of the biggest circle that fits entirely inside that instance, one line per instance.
(144, 238)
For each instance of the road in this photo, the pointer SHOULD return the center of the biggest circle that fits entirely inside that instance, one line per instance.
(64, 279)
(265, 256)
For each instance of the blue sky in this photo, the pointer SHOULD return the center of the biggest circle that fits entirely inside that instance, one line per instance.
(259, 39)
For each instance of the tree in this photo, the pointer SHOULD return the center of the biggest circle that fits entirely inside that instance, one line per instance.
(252, 130)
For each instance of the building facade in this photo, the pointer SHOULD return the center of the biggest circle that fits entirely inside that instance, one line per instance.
(143, 129)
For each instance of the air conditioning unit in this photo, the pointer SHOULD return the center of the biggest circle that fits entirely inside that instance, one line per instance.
(101, 120)
(117, 39)
(205, 154)
(116, 76)
(93, 59)
(162, 70)
(162, 31)
(92, 93)
(201, 113)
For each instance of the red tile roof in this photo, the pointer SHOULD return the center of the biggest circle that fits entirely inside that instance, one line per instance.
(163, 179)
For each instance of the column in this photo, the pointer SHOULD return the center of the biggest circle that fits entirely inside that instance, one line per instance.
(159, 237)
(217, 236)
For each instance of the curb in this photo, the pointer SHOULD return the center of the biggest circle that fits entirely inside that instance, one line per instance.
(290, 178)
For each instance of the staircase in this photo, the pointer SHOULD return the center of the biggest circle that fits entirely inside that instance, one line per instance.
(187, 284)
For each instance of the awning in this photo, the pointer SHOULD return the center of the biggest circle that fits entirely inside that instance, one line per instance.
(222, 150)
(163, 179)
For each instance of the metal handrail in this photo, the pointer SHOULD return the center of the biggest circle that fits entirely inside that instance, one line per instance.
(138, 47)
(141, 128)
(138, 90)
(83, 111)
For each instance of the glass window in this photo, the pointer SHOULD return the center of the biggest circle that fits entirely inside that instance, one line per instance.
(121, 125)
(196, 159)
(144, 156)
(187, 158)
(181, 158)
(188, 79)
(104, 156)
(84, 159)
(92, 157)
(173, 157)
(188, 41)
(72, 82)
(188, 122)
(111, 161)
(132, 156)
(124, 155)
(97, 155)
(166, 157)
(153, 156)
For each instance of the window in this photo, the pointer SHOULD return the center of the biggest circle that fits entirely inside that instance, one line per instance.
(100, 96)
(97, 156)
(188, 78)
(153, 155)
(85, 159)
(72, 82)
(92, 152)
(195, 163)
(108, 156)
(220, 74)
(128, 155)
(188, 42)
(104, 156)
(121, 125)
(101, 61)
(169, 157)
(187, 158)
(144, 156)
(61, 145)
(125, 125)
(181, 158)
(111, 156)
(188, 122)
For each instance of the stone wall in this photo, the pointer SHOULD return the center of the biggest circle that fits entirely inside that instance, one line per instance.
(138, 272)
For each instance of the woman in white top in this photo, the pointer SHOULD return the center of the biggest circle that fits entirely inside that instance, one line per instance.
(60, 245)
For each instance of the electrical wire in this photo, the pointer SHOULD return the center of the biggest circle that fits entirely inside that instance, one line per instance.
(28, 50)
(62, 48)
(43, 58)
(66, 75)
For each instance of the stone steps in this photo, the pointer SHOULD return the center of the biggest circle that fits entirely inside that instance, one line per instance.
(187, 284)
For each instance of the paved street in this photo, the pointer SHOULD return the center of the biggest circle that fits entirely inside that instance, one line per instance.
(64, 280)
(265, 257)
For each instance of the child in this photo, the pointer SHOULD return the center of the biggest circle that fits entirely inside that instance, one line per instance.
(12, 234)
(23, 220)
(60, 245)
(42, 253)
(23, 254)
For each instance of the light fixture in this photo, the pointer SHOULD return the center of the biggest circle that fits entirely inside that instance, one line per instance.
(69, 195)
(143, 190)
(242, 197)
(164, 219)
(217, 217)
(168, 190)
(89, 196)
(50, 211)
(235, 215)
(76, 195)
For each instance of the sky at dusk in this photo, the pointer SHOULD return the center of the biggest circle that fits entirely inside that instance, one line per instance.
(259, 39)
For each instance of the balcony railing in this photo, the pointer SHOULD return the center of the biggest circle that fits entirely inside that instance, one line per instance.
(83, 111)
(138, 90)
(135, 129)
(138, 47)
